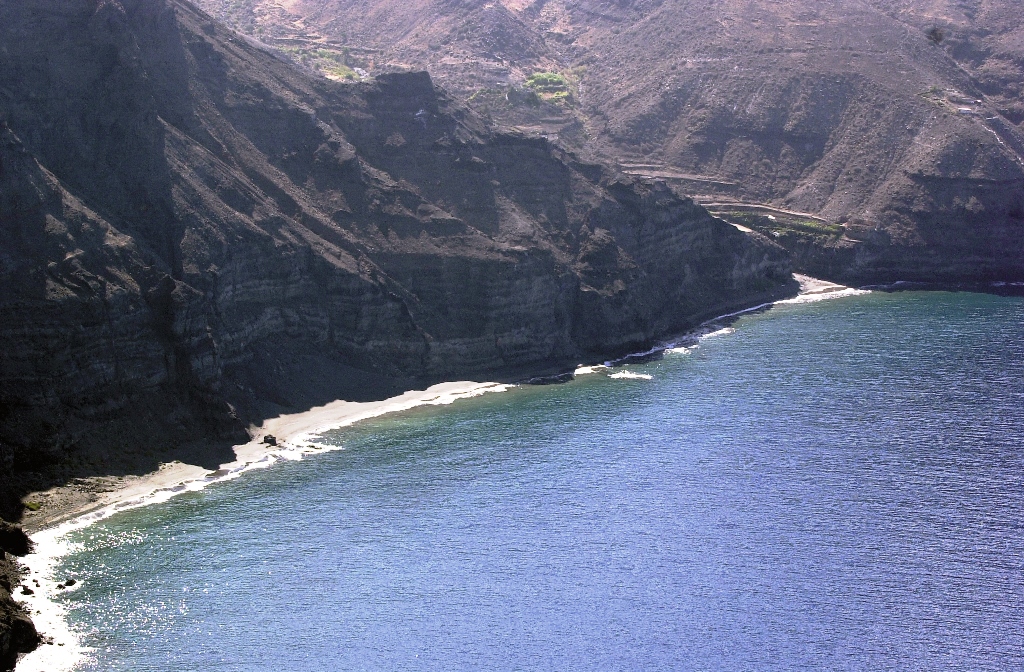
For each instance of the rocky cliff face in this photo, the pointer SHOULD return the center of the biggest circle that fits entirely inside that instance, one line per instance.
(17, 633)
(901, 122)
(197, 235)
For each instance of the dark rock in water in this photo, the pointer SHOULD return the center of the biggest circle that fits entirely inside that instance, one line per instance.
(17, 635)
(556, 379)
(70, 582)
(270, 440)
(60, 586)
(641, 358)
(25, 590)
(197, 235)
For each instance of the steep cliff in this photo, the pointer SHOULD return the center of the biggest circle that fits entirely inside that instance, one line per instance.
(197, 235)
(900, 123)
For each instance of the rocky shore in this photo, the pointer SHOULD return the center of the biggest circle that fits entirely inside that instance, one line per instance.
(201, 237)
(203, 241)
(17, 633)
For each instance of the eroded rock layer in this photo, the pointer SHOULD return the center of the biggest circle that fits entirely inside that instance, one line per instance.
(197, 235)
(896, 124)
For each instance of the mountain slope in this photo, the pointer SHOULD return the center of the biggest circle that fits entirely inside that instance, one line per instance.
(198, 235)
(898, 125)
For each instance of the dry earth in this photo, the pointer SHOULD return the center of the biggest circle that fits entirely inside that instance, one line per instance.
(898, 122)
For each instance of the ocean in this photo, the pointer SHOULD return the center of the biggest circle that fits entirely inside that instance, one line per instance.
(831, 485)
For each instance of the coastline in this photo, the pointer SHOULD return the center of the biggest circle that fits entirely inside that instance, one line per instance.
(97, 497)
(79, 504)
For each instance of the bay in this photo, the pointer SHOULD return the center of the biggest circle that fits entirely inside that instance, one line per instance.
(834, 485)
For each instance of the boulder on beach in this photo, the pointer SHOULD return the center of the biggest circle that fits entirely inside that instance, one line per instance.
(13, 539)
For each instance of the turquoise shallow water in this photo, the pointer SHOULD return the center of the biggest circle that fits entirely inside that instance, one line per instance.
(837, 485)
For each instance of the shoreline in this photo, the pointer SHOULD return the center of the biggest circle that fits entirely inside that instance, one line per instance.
(60, 648)
(99, 496)
(77, 505)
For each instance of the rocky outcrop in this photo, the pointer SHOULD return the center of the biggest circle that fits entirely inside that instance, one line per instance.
(17, 633)
(197, 235)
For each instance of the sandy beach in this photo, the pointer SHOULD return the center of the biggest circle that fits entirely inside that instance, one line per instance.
(812, 286)
(294, 435)
(84, 501)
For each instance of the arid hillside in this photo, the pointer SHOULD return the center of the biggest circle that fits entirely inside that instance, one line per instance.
(198, 235)
(892, 129)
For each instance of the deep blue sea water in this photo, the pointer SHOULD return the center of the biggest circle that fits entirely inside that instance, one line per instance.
(830, 486)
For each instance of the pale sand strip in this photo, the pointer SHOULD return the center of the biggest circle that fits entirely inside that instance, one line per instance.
(294, 434)
(809, 285)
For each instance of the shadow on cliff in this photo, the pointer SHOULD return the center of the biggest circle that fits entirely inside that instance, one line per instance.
(307, 272)
(285, 375)
(39, 451)
(36, 455)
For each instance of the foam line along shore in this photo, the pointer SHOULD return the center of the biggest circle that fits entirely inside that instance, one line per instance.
(294, 438)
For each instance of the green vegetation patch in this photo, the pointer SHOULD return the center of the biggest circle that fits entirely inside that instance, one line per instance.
(336, 64)
(33, 506)
(548, 82)
(340, 72)
(552, 87)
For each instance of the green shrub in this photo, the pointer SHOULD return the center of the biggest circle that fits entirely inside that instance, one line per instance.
(340, 72)
(547, 82)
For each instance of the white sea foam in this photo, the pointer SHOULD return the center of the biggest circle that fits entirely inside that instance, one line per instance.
(584, 370)
(630, 375)
(724, 331)
(51, 544)
(752, 309)
(441, 399)
(812, 290)
(824, 296)
(67, 650)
